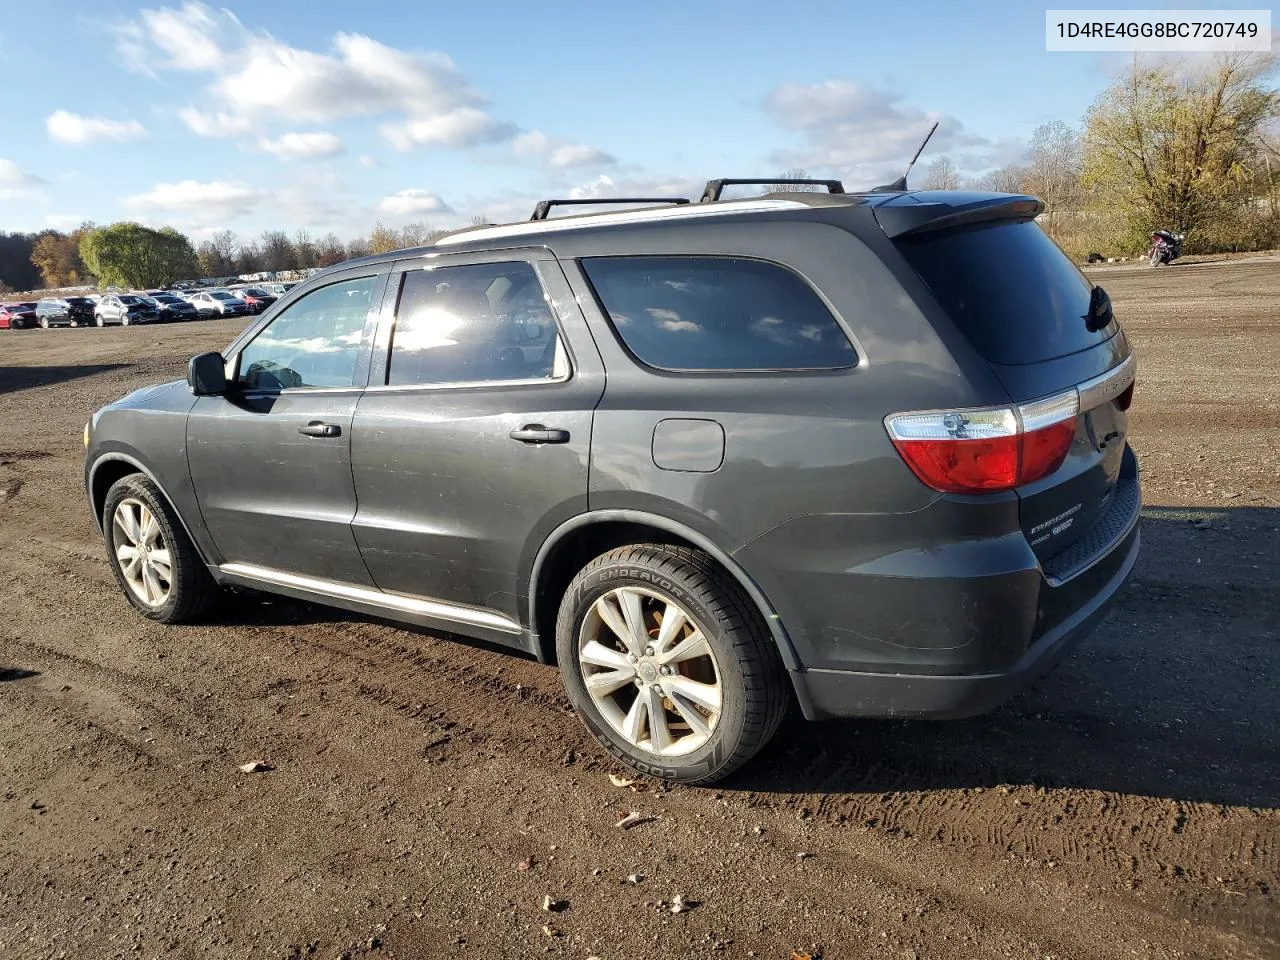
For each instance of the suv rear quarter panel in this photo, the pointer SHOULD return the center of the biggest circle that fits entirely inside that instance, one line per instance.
(811, 498)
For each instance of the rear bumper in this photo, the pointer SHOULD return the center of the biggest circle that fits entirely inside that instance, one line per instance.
(825, 694)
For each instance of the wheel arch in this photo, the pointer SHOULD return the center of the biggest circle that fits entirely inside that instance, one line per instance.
(112, 467)
(566, 551)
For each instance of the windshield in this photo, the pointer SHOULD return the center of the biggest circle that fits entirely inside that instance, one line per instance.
(223, 296)
(1009, 289)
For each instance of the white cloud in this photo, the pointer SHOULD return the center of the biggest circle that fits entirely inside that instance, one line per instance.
(368, 161)
(412, 203)
(863, 133)
(461, 127)
(215, 124)
(256, 78)
(303, 146)
(559, 154)
(64, 221)
(76, 130)
(175, 39)
(211, 202)
(16, 183)
(606, 186)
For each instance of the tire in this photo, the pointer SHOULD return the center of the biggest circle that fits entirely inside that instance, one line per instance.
(124, 320)
(44, 322)
(191, 591)
(1155, 258)
(98, 319)
(741, 663)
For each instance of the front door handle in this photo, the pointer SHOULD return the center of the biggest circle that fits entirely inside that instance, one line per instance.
(537, 433)
(317, 429)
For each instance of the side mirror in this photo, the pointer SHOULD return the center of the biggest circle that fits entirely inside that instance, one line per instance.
(207, 375)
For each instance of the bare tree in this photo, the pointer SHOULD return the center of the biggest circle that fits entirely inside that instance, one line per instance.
(1006, 179)
(1053, 169)
(329, 250)
(785, 184)
(941, 174)
(277, 251)
(304, 250)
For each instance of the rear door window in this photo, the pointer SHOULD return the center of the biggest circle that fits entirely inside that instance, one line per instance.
(718, 313)
(474, 323)
(1009, 288)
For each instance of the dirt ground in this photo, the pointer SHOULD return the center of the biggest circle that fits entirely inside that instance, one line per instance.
(1127, 806)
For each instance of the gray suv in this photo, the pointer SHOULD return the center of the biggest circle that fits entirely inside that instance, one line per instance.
(864, 453)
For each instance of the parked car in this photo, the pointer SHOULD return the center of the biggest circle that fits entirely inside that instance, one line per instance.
(865, 453)
(65, 311)
(17, 316)
(279, 289)
(172, 307)
(124, 309)
(219, 303)
(255, 298)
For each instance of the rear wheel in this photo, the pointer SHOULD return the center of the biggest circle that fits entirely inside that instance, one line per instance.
(668, 663)
(98, 319)
(153, 559)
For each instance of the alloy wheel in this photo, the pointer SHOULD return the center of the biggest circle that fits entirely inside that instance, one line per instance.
(648, 667)
(141, 552)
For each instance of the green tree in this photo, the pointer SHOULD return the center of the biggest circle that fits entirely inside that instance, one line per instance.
(1176, 148)
(131, 255)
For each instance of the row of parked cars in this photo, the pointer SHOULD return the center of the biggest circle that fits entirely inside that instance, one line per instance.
(151, 306)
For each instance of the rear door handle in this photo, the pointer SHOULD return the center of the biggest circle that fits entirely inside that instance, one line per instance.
(537, 433)
(317, 429)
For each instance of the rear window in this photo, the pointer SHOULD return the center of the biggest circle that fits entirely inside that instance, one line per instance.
(718, 313)
(1009, 289)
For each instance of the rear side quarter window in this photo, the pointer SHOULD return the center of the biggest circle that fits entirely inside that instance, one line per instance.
(688, 314)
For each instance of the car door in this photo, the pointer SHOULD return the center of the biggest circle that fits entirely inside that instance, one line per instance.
(472, 442)
(270, 459)
(109, 309)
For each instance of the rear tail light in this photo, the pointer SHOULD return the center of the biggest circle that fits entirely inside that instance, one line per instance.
(981, 451)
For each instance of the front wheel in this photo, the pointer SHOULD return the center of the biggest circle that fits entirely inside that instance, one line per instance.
(99, 321)
(668, 663)
(1156, 258)
(153, 559)
(124, 320)
(44, 322)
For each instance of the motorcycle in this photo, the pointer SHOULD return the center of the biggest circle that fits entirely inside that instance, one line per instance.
(1165, 247)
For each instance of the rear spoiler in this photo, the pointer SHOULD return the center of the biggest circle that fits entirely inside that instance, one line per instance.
(899, 219)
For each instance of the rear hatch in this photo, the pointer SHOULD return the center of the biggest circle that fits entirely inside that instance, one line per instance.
(1038, 321)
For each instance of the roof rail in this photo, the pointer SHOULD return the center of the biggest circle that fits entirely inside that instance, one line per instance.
(712, 191)
(544, 206)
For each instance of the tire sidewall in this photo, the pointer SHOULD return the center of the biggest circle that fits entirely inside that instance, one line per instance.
(139, 488)
(598, 579)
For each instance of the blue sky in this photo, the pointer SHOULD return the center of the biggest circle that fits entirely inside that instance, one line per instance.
(329, 115)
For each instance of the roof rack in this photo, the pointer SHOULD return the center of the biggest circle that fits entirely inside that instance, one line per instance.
(544, 206)
(711, 193)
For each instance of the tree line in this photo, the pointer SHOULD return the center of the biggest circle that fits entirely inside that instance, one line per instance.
(133, 256)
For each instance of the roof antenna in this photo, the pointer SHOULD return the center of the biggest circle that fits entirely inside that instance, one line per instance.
(900, 185)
